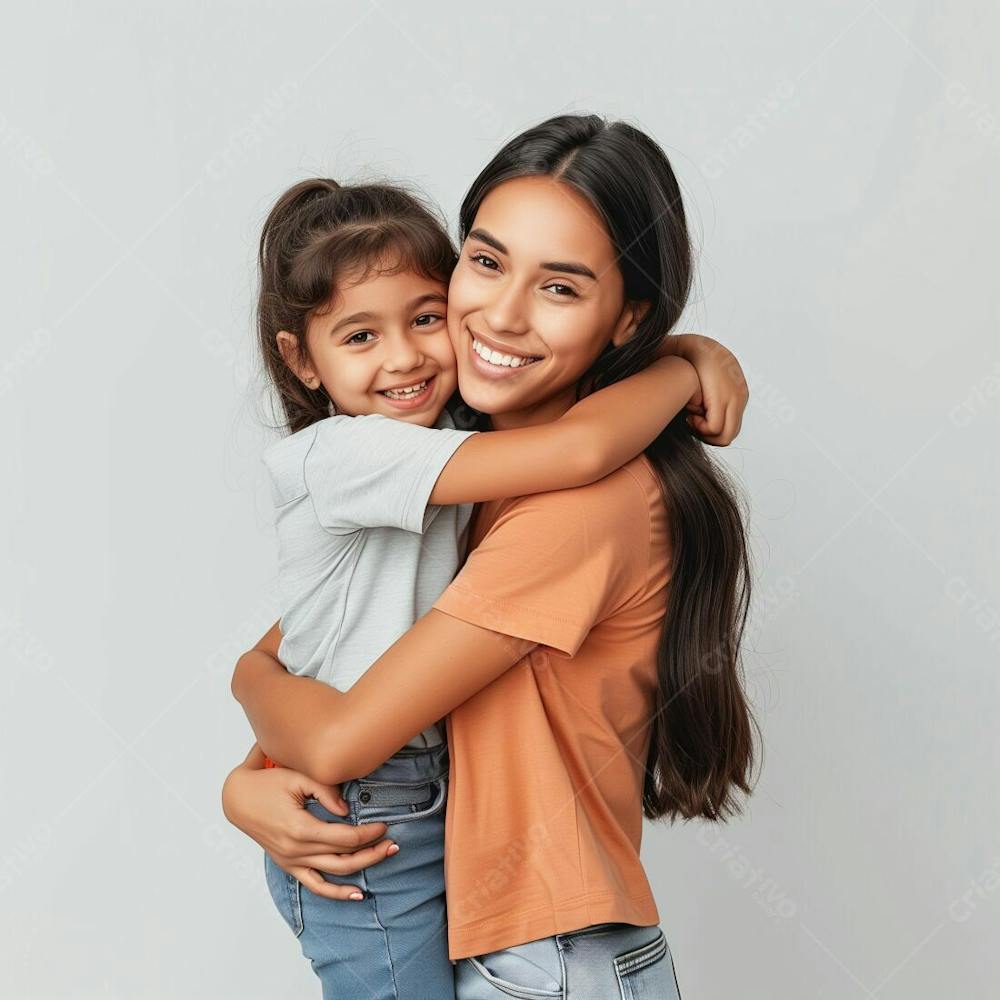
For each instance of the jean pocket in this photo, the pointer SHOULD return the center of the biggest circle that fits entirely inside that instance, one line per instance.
(647, 972)
(402, 803)
(474, 981)
(286, 891)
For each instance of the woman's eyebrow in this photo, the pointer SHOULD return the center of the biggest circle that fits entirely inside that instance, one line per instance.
(566, 267)
(569, 267)
(489, 239)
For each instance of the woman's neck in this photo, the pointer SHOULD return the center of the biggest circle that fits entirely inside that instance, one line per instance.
(540, 413)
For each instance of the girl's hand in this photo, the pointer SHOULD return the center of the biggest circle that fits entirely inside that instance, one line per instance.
(716, 411)
(268, 805)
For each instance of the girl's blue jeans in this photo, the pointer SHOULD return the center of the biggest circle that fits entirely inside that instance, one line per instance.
(393, 944)
(602, 962)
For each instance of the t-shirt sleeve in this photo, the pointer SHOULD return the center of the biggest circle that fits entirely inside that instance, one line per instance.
(371, 471)
(553, 565)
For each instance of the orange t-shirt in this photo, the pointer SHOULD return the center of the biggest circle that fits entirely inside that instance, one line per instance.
(544, 816)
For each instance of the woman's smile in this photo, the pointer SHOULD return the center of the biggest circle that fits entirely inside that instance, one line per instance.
(495, 361)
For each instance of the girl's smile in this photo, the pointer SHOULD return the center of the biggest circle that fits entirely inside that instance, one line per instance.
(410, 395)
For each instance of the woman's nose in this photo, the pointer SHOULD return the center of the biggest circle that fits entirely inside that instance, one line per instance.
(505, 312)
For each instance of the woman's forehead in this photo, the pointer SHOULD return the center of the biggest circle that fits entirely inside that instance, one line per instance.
(539, 220)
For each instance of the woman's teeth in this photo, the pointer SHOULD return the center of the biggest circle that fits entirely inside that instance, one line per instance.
(407, 393)
(501, 360)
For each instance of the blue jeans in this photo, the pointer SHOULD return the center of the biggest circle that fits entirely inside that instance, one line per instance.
(393, 944)
(603, 962)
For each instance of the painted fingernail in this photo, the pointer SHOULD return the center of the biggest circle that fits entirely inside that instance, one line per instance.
(356, 895)
(393, 850)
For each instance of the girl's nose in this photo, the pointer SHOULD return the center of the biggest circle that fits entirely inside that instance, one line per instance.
(403, 354)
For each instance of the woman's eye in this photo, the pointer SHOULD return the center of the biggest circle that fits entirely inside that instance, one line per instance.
(488, 262)
(360, 333)
(565, 290)
(427, 319)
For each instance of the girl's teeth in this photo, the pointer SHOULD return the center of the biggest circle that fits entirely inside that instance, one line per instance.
(406, 393)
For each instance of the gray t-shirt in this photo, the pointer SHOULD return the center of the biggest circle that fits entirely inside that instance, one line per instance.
(361, 554)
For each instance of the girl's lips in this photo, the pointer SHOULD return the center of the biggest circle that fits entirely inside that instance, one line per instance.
(415, 402)
(495, 372)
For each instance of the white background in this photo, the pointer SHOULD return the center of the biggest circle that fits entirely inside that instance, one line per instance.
(840, 165)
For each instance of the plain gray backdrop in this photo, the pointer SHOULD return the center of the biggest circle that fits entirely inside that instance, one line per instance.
(839, 162)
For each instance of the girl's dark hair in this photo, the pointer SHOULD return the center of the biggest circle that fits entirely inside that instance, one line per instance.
(701, 750)
(317, 233)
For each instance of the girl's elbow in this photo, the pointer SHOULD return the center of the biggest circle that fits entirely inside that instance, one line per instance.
(235, 685)
(340, 757)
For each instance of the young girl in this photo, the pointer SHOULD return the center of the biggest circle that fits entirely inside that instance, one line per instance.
(373, 491)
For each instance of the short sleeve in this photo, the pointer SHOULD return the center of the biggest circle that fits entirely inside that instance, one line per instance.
(371, 471)
(553, 565)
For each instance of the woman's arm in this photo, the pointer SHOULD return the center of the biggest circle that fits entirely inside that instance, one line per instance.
(593, 438)
(435, 666)
(269, 807)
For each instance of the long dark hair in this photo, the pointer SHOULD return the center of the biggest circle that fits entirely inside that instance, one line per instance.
(701, 750)
(317, 232)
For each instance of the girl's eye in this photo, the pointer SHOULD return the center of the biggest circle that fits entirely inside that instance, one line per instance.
(360, 333)
(427, 319)
(484, 260)
(566, 290)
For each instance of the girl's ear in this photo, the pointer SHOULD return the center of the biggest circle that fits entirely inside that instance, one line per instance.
(288, 346)
(632, 315)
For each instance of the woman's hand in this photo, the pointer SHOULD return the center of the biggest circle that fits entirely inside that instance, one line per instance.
(268, 805)
(716, 412)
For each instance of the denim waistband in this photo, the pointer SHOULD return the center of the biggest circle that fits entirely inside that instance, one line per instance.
(402, 779)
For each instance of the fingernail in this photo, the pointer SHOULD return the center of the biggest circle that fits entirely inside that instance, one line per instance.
(356, 895)
(394, 849)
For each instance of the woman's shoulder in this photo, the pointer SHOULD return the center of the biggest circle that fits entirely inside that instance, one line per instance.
(621, 503)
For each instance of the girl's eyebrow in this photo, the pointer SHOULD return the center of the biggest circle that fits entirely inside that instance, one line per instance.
(429, 297)
(368, 317)
(361, 317)
(563, 266)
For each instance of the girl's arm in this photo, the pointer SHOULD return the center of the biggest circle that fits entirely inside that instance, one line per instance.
(717, 413)
(435, 666)
(593, 438)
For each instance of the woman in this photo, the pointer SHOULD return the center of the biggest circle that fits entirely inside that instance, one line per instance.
(583, 691)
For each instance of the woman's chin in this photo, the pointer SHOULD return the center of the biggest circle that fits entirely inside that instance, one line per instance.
(485, 396)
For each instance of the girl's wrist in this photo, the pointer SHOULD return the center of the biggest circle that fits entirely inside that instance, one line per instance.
(684, 345)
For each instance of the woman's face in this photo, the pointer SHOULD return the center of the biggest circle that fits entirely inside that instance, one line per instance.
(537, 285)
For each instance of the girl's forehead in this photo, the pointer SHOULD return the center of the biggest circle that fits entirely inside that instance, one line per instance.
(378, 292)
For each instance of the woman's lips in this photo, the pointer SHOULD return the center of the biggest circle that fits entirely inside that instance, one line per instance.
(491, 371)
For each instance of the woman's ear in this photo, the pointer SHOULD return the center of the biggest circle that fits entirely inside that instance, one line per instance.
(632, 315)
(292, 355)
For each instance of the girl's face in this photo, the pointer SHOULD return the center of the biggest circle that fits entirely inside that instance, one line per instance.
(536, 296)
(386, 332)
